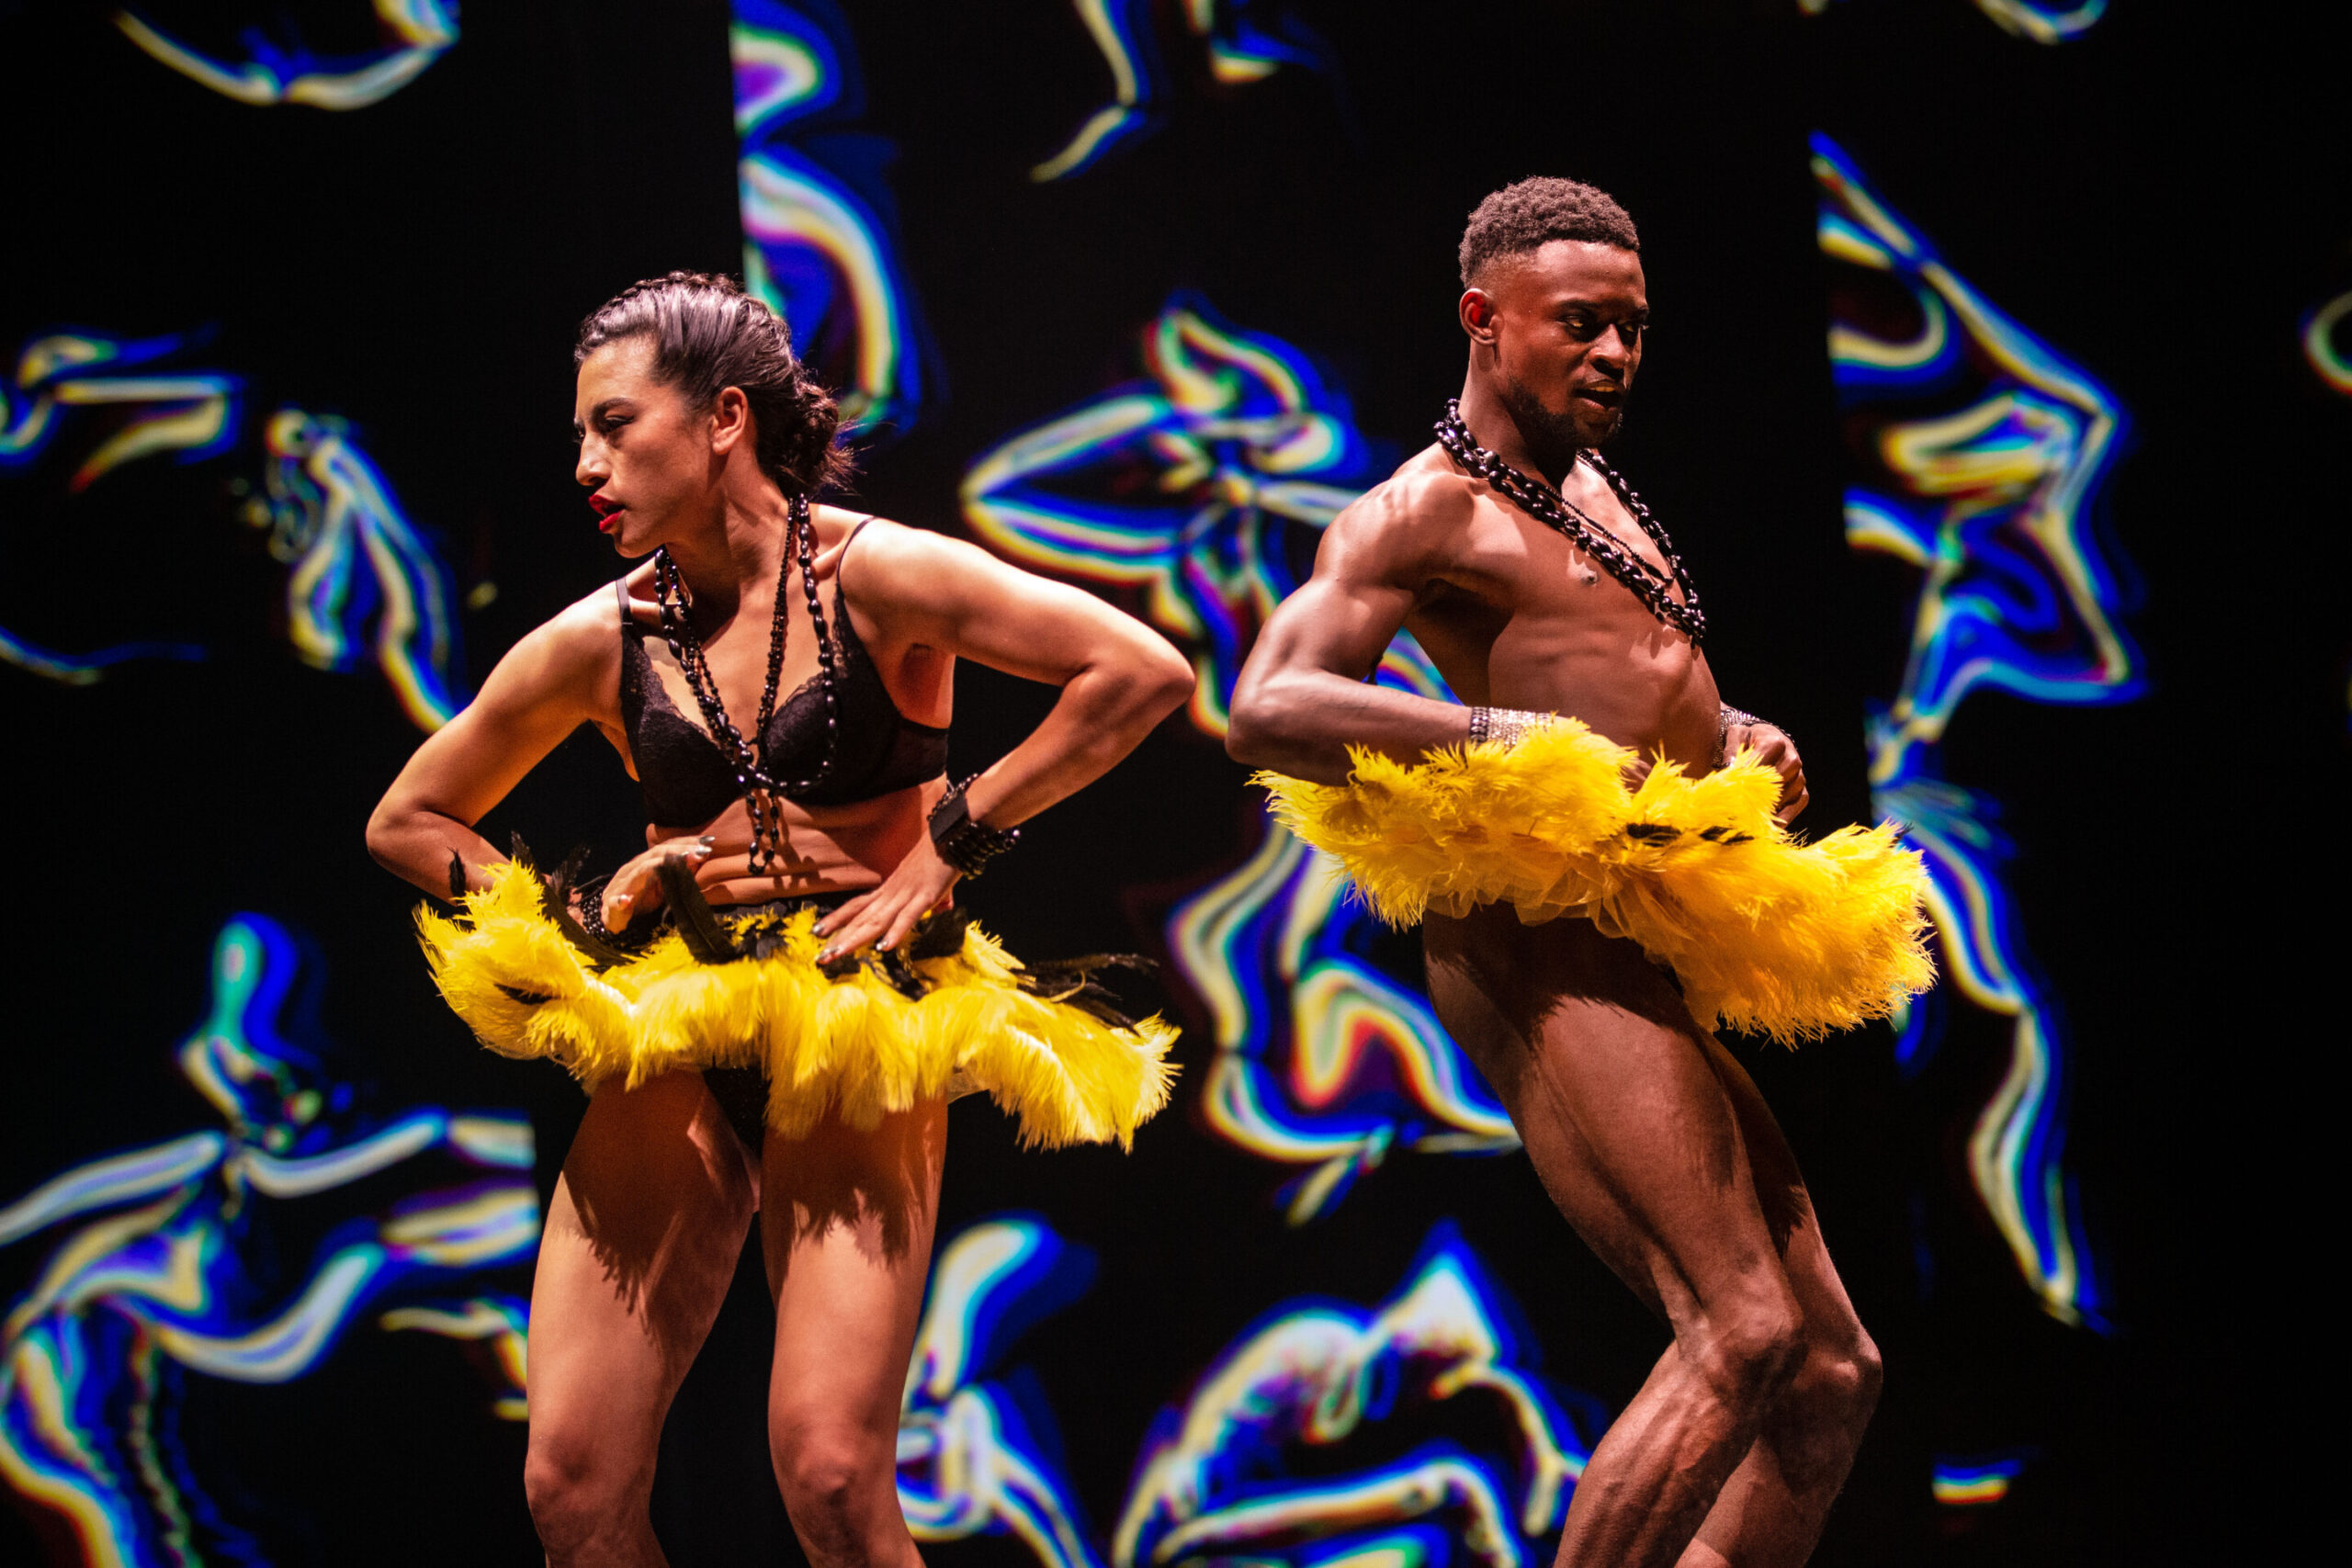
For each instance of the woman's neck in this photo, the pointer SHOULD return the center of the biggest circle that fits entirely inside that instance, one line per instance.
(737, 551)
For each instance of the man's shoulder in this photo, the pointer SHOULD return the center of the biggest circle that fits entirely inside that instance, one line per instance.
(1427, 494)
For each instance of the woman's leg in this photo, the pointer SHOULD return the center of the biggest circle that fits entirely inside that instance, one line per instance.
(641, 1241)
(848, 1220)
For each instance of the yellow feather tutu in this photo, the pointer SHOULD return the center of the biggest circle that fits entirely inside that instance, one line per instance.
(856, 1046)
(1766, 932)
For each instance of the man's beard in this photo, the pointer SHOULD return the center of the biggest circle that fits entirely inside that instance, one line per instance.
(1553, 439)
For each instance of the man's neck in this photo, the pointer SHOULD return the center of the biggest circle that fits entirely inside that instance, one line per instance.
(1493, 427)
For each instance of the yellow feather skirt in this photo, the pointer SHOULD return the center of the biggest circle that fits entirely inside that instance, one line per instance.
(849, 1044)
(1767, 933)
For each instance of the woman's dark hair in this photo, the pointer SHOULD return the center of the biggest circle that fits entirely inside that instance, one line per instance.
(708, 335)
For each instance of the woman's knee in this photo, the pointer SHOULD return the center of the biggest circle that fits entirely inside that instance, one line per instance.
(840, 1485)
(578, 1498)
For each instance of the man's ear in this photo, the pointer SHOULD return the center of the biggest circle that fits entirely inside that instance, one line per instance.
(1477, 311)
(730, 419)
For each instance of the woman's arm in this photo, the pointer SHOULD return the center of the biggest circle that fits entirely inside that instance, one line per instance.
(1118, 676)
(545, 687)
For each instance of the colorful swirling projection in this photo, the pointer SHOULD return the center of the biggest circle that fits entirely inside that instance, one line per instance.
(1201, 490)
(414, 34)
(355, 556)
(1278, 1456)
(1203, 487)
(1973, 1482)
(1247, 41)
(968, 1461)
(172, 1265)
(148, 410)
(1322, 1061)
(817, 242)
(2326, 357)
(1982, 452)
(2027, 19)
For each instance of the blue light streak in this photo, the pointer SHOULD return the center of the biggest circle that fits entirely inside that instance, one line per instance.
(1987, 451)
(166, 1267)
(355, 556)
(969, 1463)
(817, 230)
(1195, 492)
(1255, 1463)
(415, 33)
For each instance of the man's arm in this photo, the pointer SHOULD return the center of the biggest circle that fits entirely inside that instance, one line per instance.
(1302, 699)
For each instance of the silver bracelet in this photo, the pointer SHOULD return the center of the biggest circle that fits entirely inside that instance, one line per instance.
(1731, 715)
(1506, 726)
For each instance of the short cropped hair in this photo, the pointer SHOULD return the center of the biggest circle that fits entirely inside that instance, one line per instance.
(1523, 217)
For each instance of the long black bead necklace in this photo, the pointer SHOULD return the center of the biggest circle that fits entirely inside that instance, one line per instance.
(753, 776)
(1548, 506)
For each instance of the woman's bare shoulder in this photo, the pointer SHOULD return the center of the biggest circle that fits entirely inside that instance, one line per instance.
(577, 651)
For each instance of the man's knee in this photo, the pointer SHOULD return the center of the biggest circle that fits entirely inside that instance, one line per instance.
(1748, 1354)
(841, 1488)
(1840, 1382)
(577, 1498)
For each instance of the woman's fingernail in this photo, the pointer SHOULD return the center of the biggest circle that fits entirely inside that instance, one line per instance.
(707, 839)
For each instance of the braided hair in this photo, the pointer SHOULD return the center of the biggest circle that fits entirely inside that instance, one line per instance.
(708, 334)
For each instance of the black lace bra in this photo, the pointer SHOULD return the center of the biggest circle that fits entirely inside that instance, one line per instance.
(685, 778)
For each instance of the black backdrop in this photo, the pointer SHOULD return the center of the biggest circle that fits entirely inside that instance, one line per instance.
(2161, 199)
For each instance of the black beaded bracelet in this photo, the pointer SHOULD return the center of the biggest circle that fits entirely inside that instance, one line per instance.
(961, 843)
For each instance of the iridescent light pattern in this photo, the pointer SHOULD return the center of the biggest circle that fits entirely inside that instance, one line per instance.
(969, 1463)
(1277, 1457)
(147, 409)
(1973, 1482)
(2027, 19)
(169, 1266)
(414, 34)
(1247, 41)
(354, 556)
(2328, 361)
(1984, 454)
(1203, 487)
(1201, 490)
(817, 243)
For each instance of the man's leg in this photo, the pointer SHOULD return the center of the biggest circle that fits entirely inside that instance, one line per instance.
(1643, 1145)
(1771, 1510)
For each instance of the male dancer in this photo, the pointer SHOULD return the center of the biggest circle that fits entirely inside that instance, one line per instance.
(1647, 1134)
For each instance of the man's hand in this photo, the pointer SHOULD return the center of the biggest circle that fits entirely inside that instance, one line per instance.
(636, 888)
(890, 912)
(1775, 750)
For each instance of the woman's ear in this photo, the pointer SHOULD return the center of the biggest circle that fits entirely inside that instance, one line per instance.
(731, 419)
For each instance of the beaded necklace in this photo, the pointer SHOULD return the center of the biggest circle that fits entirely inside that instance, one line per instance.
(760, 786)
(1549, 507)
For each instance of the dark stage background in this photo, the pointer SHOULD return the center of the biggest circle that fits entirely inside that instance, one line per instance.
(273, 1331)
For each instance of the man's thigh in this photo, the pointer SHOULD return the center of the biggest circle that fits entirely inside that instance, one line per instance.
(1620, 1100)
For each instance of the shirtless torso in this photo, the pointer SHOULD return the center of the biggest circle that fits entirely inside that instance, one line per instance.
(1644, 1131)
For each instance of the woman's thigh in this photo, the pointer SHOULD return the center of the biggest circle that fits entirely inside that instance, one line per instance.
(641, 1242)
(847, 1219)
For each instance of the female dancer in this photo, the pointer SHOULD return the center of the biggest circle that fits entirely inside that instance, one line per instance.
(772, 1005)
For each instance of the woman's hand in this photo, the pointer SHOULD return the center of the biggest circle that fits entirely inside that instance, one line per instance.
(884, 917)
(1775, 750)
(636, 888)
